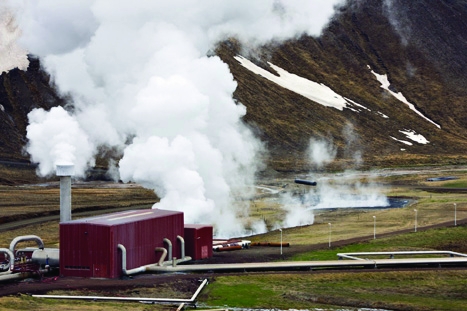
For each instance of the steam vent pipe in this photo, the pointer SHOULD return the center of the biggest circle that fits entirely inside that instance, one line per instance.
(65, 171)
(305, 182)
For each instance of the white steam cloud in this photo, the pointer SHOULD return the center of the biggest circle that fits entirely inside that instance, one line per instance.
(344, 190)
(55, 138)
(321, 152)
(140, 80)
(11, 54)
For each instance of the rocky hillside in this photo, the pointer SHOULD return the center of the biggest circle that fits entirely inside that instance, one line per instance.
(20, 92)
(419, 46)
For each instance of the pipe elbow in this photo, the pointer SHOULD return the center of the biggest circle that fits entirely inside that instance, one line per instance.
(169, 243)
(10, 254)
(23, 238)
(182, 246)
(123, 249)
(164, 254)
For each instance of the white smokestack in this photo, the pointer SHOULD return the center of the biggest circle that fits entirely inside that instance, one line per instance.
(65, 171)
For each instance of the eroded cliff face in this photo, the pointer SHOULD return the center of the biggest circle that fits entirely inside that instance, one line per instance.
(417, 45)
(20, 92)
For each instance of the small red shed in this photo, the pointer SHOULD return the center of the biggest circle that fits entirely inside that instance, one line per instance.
(89, 246)
(198, 241)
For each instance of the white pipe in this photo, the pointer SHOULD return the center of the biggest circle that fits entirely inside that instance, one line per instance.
(142, 268)
(182, 246)
(15, 276)
(191, 301)
(169, 243)
(124, 270)
(164, 254)
(161, 268)
(23, 238)
(10, 254)
(19, 276)
(353, 255)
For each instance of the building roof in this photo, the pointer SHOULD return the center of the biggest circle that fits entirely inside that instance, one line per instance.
(124, 217)
(197, 226)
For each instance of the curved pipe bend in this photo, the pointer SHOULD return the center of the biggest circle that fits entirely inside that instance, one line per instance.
(142, 268)
(164, 254)
(182, 246)
(10, 254)
(169, 243)
(23, 238)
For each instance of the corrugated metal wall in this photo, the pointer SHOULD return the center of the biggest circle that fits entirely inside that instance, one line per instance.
(88, 247)
(198, 240)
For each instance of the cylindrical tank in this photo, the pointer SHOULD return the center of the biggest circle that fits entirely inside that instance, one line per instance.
(46, 256)
(305, 182)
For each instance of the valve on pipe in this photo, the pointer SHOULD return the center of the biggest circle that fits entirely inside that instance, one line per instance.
(305, 182)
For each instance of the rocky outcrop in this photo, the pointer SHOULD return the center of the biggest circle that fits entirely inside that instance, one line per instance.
(20, 92)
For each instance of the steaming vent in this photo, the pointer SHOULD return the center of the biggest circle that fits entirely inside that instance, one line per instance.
(65, 172)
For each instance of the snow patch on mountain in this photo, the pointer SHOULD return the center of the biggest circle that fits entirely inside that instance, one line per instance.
(402, 141)
(317, 92)
(383, 79)
(415, 137)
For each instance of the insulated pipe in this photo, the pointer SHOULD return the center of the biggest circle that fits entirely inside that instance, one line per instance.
(191, 301)
(15, 276)
(142, 268)
(19, 276)
(124, 270)
(10, 254)
(169, 248)
(23, 238)
(182, 246)
(164, 254)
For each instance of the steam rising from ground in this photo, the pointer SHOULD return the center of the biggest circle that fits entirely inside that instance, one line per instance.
(344, 190)
(140, 82)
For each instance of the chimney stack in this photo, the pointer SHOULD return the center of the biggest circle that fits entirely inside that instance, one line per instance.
(65, 171)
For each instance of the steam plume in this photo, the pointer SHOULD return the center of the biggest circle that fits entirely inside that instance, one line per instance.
(11, 54)
(140, 80)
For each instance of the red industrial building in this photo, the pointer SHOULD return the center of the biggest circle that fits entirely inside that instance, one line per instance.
(198, 239)
(89, 247)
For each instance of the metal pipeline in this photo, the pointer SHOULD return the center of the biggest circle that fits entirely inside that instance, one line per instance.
(124, 270)
(11, 262)
(169, 244)
(23, 238)
(191, 301)
(19, 276)
(182, 246)
(164, 254)
(142, 268)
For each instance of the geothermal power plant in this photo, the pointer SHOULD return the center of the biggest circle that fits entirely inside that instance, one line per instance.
(154, 240)
(109, 245)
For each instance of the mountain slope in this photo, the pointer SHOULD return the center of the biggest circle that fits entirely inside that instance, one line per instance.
(363, 36)
(20, 92)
